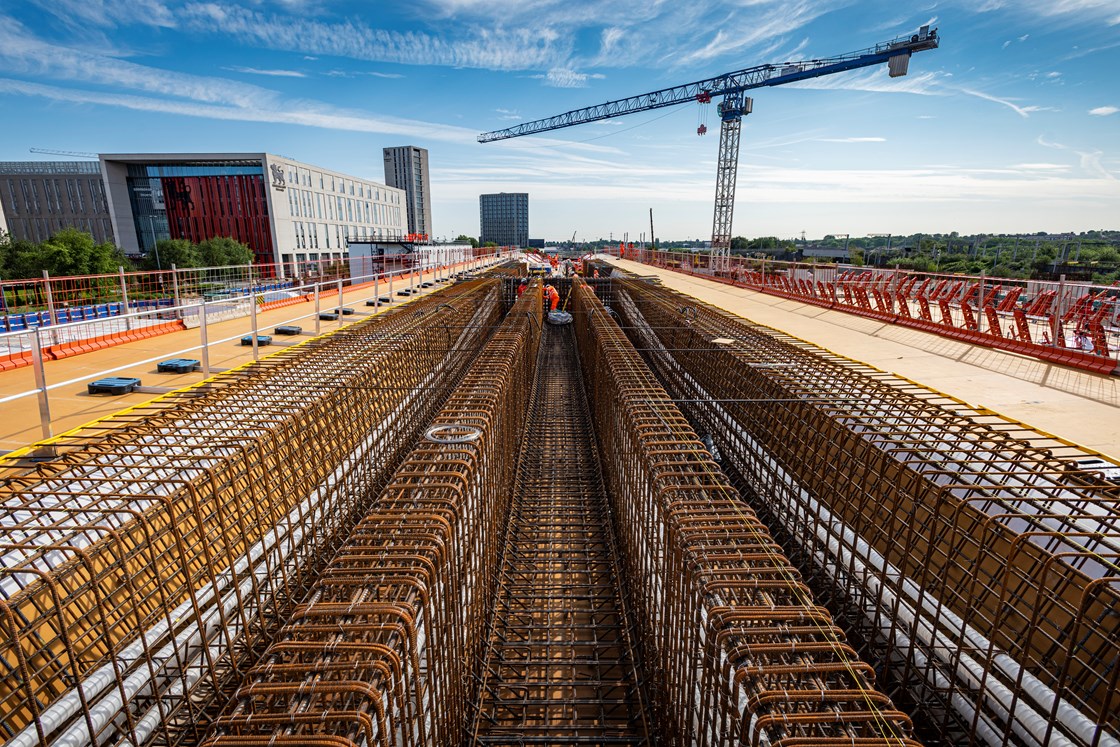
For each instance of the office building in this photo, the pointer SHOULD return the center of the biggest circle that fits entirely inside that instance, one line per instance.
(286, 211)
(505, 218)
(40, 198)
(406, 167)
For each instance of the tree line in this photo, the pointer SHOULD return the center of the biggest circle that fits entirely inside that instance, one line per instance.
(74, 252)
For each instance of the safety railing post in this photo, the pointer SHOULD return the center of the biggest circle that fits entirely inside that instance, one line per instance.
(41, 383)
(50, 298)
(175, 290)
(376, 297)
(340, 301)
(318, 321)
(1057, 335)
(124, 299)
(203, 339)
(253, 317)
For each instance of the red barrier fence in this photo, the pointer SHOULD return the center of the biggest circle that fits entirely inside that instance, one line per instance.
(1072, 324)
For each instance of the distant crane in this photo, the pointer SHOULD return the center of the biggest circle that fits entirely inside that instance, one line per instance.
(75, 154)
(731, 86)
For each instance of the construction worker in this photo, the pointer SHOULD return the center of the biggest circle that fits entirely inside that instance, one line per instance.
(552, 297)
(522, 286)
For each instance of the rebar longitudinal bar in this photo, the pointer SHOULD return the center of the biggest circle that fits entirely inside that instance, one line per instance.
(737, 651)
(144, 565)
(381, 651)
(979, 570)
(560, 666)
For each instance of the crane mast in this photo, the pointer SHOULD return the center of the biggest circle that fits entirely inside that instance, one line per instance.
(732, 87)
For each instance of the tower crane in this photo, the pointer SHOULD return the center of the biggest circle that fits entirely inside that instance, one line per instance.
(732, 87)
(52, 152)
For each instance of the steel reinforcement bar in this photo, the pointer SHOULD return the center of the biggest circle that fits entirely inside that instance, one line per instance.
(736, 650)
(145, 565)
(382, 650)
(560, 665)
(979, 571)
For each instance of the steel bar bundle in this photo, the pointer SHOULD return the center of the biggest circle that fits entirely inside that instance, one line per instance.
(146, 563)
(979, 569)
(381, 651)
(737, 651)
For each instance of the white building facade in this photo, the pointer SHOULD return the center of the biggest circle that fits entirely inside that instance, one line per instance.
(288, 212)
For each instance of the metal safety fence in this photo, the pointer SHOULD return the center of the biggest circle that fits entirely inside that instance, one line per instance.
(1069, 322)
(147, 557)
(382, 649)
(739, 653)
(974, 561)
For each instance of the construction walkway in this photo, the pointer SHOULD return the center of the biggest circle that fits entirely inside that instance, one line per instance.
(1075, 405)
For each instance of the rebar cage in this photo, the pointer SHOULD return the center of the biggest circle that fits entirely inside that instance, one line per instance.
(149, 559)
(975, 567)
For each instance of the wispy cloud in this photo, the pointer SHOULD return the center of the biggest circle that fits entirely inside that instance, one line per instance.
(359, 73)
(22, 53)
(308, 114)
(272, 73)
(564, 78)
(853, 139)
(1104, 111)
(1022, 111)
(109, 13)
(878, 81)
(742, 31)
(488, 48)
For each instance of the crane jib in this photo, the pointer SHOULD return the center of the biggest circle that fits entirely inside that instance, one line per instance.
(761, 76)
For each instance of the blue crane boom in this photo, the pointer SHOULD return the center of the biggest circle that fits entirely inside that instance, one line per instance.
(732, 86)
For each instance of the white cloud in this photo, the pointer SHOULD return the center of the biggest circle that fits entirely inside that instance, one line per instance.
(1022, 111)
(877, 80)
(853, 139)
(1104, 111)
(565, 78)
(1068, 11)
(273, 73)
(308, 113)
(488, 48)
(109, 13)
(21, 52)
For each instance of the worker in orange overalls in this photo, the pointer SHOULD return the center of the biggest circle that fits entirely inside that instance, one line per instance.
(521, 287)
(552, 296)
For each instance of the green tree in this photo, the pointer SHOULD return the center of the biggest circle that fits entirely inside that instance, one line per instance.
(491, 243)
(72, 252)
(468, 239)
(178, 252)
(68, 252)
(222, 251)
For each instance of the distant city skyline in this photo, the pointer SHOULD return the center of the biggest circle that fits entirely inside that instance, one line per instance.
(1013, 126)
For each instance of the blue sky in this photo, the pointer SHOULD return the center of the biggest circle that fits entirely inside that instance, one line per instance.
(1012, 125)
